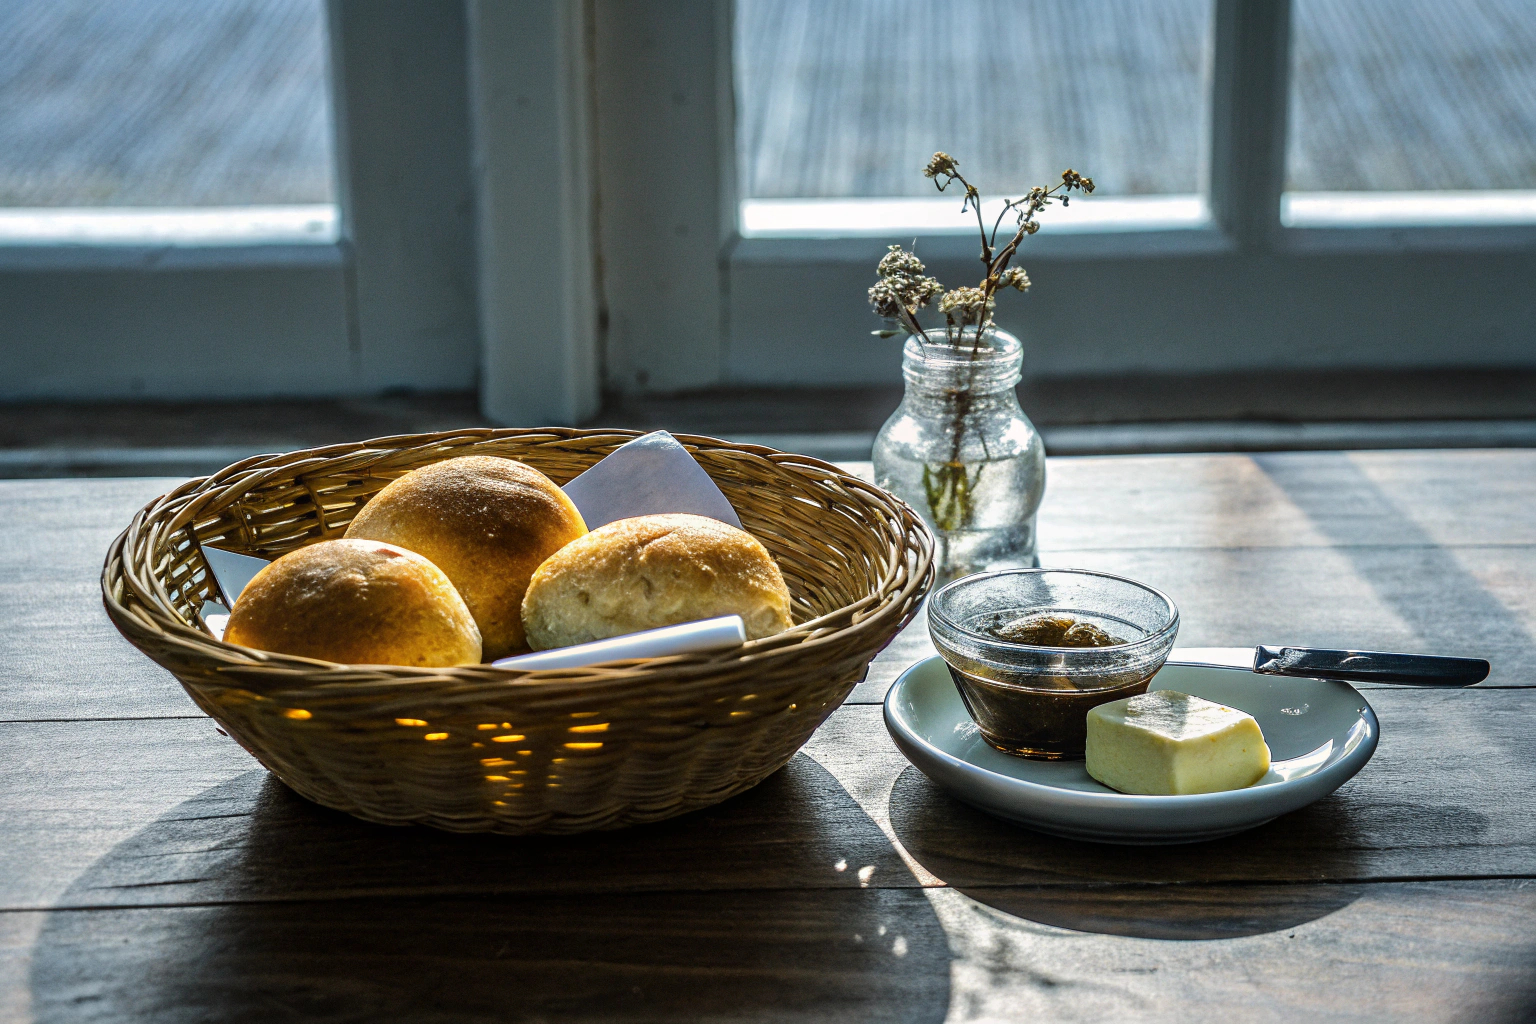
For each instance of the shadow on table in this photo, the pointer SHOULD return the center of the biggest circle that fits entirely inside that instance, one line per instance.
(1196, 891)
(1416, 577)
(249, 903)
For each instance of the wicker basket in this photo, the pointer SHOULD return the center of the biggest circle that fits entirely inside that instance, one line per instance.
(481, 749)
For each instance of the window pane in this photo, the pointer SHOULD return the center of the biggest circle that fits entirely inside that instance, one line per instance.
(847, 98)
(1409, 95)
(164, 103)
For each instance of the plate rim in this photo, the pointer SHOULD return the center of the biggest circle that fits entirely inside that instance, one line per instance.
(1057, 795)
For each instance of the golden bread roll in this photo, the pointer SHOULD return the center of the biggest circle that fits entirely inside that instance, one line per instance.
(653, 571)
(358, 602)
(485, 521)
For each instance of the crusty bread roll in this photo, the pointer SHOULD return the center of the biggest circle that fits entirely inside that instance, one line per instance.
(653, 571)
(485, 521)
(358, 602)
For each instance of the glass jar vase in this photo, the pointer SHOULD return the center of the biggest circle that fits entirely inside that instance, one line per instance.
(962, 453)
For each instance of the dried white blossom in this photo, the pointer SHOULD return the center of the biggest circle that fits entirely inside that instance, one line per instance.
(966, 301)
(1014, 277)
(942, 163)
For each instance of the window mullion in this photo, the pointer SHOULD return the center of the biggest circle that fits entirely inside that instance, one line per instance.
(1250, 91)
(402, 121)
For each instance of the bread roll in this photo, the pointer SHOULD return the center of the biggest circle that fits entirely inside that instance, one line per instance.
(358, 602)
(653, 571)
(485, 521)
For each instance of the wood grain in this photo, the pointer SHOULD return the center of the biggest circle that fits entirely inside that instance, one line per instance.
(150, 869)
(1438, 951)
(63, 658)
(172, 813)
(177, 815)
(1291, 500)
(1391, 952)
(1416, 551)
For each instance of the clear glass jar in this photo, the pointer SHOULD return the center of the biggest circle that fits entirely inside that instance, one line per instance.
(1034, 700)
(962, 453)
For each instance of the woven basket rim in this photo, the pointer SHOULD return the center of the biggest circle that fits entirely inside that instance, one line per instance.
(905, 579)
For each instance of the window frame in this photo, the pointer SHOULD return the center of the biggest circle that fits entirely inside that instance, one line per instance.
(621, 268)
(1189, 300)
(364, 314)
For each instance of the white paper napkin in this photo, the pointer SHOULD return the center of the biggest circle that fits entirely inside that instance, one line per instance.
(684, 638)
(650, 475)
(232, 572)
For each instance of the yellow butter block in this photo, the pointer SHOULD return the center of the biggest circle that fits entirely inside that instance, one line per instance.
(1167, 743)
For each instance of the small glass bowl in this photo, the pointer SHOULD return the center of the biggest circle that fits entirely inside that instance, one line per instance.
(1034, 701)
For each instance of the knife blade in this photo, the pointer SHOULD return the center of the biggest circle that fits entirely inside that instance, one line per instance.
(1351, 666)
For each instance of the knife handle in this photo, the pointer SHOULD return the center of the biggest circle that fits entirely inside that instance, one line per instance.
(1370, 666)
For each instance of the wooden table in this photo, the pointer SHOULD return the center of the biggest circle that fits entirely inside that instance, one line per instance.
(151, 870)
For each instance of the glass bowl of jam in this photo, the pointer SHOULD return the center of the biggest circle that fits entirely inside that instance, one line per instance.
(1032, 650)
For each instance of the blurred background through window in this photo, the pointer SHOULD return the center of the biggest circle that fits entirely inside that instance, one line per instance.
(1412, 95)
(164, 103)
(848, 100)
(851, 97)
(1393, 98)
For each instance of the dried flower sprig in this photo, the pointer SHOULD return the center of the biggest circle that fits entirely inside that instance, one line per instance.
(903, 288)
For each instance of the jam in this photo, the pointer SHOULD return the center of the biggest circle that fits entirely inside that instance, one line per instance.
(1053, 631)
(1042, 717)
(1037, 714)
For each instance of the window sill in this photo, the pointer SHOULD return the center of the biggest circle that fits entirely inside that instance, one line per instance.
(780, 231)
(1364, 222)
(942, 215)
(139, 238)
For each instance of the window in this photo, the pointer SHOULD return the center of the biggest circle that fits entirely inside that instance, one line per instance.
(707, 185)
(159, 121)
(1238, 286)
(1412, 112)
(249, 197)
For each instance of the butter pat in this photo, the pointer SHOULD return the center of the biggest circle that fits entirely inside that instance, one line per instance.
(1167, 743)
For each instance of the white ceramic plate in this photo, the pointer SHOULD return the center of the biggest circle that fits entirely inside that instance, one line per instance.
(1320, 733)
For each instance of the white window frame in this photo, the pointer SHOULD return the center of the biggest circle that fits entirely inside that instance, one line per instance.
(539, 196)
(219, 303)
(1241, 292)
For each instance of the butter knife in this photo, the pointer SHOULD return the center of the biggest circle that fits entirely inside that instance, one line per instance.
(1351, 666)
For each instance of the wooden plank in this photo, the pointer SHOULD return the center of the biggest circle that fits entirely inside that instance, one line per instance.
(63, 657)
(143, 813)
(1287, 500)
(1419, 551)
(1390, 952)
(672, 956)
(168, 812)
(1299, 499)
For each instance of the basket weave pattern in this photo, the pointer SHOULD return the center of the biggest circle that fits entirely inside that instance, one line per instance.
(481, 749)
